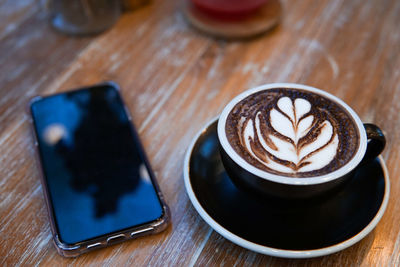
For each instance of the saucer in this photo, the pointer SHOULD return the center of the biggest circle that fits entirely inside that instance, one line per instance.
(299, 229)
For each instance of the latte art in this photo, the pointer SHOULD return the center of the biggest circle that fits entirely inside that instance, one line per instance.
(301, 154)
(291, 132)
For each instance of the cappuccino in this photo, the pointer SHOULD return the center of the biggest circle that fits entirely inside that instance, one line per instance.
(292, 132)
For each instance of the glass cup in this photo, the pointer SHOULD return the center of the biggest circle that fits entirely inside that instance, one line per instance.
(82, 17)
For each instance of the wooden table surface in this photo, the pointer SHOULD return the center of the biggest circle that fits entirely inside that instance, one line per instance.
(174, 80)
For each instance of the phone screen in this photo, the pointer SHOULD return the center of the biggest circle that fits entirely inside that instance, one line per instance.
(97, 179)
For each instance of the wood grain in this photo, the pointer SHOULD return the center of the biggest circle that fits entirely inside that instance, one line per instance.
(175, 80)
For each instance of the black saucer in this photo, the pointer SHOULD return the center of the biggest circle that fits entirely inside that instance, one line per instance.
(295, 229)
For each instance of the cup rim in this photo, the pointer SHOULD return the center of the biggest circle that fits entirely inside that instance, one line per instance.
(345, 169)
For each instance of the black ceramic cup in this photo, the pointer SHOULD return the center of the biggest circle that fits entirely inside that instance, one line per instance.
(248, 177)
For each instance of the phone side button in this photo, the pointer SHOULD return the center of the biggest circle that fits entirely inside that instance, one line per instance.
(93, 245)
(115, 238)
(141, 231)
(128, 114)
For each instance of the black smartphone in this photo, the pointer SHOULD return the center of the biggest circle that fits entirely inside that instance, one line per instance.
(98, 183)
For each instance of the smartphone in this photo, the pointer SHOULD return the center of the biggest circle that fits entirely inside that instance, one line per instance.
(98, 184)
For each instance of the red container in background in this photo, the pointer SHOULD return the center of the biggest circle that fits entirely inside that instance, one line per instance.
(228, 9)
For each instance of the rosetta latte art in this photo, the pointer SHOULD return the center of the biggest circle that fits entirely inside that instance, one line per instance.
(298, 142)
(292, 132)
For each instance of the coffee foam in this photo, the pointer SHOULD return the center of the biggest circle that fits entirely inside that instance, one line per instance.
(292, 133)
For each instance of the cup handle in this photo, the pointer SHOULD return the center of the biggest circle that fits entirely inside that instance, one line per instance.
(376, 142)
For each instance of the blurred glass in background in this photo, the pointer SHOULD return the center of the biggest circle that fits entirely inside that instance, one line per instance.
(82, 17)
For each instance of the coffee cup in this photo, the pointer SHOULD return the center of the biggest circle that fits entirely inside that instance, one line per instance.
(293, 141)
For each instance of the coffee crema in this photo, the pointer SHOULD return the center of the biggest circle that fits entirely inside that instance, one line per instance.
(292, 132)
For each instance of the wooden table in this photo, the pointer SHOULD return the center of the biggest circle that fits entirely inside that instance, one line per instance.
(174, 80)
